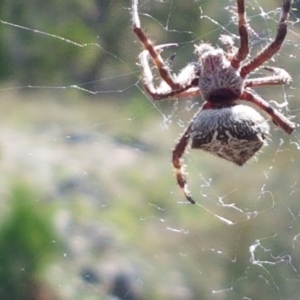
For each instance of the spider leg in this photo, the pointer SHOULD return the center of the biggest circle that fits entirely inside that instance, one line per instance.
(280, 77)
(228, 42)
(243, 50)
(273, 47)
(187, 81)
(177, 154)
(189, 93)
(278, 118)
(147, 43)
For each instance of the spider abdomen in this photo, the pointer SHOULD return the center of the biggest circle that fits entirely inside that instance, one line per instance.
(234, 133)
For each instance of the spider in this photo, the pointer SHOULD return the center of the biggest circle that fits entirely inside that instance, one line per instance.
(222, 127)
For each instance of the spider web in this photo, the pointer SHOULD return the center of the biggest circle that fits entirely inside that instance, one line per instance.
(100, 150)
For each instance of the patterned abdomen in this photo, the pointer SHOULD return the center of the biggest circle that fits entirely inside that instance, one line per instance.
(234, 133)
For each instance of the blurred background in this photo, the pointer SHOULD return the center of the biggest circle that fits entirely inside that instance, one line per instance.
(89, 204)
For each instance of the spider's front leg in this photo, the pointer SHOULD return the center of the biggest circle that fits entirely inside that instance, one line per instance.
(187, 79)
(243, 50)
(176, 160)
(148, 45)
(278, 118)
(271, 49)
(156, 93)
(182, 86)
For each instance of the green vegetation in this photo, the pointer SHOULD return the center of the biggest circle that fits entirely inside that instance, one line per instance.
(27, 242)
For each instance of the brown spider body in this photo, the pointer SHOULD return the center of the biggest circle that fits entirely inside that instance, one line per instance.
(222, 126)
(230, 131)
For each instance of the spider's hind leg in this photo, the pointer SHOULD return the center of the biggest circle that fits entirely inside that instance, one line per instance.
(176, 159)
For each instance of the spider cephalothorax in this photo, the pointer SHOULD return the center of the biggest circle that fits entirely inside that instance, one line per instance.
(218, 81)
(222, 127)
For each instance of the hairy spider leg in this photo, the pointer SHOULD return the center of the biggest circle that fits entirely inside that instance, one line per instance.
(243, 50)
(148, 45)
(274, 46)
(147, 73)
(278, 118)
(176, 160)
(177, 89)
(280, 76)
(186, 89)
